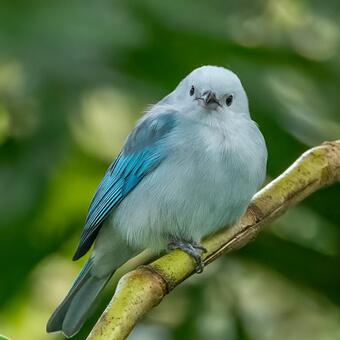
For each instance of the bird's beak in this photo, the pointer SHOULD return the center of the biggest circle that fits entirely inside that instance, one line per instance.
(209, 97)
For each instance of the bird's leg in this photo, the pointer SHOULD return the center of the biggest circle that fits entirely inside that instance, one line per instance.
(190, 247)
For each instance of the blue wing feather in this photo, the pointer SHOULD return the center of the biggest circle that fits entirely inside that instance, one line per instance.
(143, 152)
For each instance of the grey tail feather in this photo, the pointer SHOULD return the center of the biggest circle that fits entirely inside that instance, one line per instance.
(72, 312)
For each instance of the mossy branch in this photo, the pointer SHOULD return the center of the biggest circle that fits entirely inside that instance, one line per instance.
(140, 290)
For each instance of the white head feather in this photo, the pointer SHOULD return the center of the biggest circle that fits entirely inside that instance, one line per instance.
(210, 90)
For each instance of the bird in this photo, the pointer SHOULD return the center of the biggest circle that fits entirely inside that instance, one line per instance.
(189, 167)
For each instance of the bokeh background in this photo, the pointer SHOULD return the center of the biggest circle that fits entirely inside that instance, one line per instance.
(75, 76)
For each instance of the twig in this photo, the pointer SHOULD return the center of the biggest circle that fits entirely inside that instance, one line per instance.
(140, 290)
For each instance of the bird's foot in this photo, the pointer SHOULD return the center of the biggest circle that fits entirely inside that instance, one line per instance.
(191, 248)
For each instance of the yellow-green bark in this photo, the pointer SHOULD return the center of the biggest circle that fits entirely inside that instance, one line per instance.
(140, 290)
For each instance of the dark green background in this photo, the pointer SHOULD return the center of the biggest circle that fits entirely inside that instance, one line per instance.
(75, 76)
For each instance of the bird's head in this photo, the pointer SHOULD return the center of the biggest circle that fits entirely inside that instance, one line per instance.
(211, 89)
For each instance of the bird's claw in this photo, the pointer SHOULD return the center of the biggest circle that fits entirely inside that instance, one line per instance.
(191, 248)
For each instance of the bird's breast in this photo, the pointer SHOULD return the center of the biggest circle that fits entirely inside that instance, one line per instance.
(205, 182)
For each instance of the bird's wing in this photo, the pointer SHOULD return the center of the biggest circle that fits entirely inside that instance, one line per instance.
(144, 150)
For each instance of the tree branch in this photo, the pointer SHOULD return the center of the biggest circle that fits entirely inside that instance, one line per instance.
(140, 290)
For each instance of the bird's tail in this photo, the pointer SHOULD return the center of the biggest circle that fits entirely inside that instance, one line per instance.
(72, 312)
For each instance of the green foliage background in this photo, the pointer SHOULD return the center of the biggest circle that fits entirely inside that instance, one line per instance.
(75, 76)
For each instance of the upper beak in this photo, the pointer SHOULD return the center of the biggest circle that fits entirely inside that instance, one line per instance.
(209, 97)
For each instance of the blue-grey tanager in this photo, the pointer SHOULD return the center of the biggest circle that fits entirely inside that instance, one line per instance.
(189, 167)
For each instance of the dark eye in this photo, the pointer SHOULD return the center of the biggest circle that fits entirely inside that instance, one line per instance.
(229, 100)
(192, 91)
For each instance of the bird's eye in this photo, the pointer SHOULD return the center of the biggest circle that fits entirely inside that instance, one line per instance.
(192, 91)
(229, 100)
